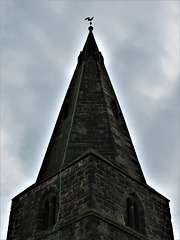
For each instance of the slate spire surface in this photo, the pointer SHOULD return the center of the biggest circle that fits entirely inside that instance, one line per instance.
(90, 119)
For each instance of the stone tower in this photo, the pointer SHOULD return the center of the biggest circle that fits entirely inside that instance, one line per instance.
(90, 185)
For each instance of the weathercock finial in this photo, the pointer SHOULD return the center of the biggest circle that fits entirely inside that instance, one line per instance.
(89, 19)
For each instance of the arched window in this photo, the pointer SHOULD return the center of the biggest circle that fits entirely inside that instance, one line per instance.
(49, 211)
(134, 214)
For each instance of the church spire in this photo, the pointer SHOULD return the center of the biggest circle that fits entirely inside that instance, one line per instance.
(90, 118)
(90, 184)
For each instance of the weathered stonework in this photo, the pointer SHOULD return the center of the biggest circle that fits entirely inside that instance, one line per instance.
(90, 185)
(92, 188)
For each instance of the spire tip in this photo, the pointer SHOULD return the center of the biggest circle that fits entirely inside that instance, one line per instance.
(90, 22)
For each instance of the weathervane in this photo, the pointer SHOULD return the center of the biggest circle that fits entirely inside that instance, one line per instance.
(89, 19)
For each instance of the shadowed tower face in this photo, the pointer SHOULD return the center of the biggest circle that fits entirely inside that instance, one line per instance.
(90, 185)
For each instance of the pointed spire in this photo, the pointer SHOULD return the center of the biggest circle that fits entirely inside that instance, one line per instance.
(90, 49)
(90, 117)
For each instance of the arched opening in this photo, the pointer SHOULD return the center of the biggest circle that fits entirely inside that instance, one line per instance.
(134, 214)
(49, 211)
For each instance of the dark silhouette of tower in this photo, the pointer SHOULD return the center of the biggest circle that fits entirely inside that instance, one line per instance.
(90, 185)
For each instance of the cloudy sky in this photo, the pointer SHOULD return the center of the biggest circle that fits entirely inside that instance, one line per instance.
(40, 43)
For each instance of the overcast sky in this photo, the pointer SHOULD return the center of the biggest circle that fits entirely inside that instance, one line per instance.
(40, 43)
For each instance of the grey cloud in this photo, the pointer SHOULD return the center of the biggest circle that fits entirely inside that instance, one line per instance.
(41, 42)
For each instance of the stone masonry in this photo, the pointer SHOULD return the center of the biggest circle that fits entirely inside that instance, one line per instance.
(90, 185)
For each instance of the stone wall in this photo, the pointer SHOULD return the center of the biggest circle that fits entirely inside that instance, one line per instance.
(93, 205)
(110, 190)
